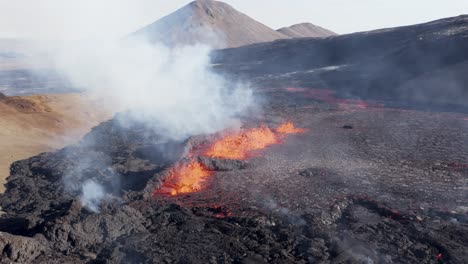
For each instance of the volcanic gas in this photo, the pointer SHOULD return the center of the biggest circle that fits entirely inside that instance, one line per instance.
(234, 145)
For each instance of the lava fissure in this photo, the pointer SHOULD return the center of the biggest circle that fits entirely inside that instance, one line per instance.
(185, 178)
(190, 177)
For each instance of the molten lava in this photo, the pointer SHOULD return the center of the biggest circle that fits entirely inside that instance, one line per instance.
(185, 178)
(240, 145)
(190, 177)
(289, 128)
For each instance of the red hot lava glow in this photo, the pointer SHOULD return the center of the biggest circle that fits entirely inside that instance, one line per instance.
(289, 128)
(185, 178)
(240, 145)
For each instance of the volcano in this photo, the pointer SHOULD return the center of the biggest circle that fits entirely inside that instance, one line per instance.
(340, 166)
(306, 30)
(211, 22)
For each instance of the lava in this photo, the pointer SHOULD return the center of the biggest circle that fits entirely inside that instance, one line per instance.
(289, 128)
(190, 177)
(240, 145)
(185, 178)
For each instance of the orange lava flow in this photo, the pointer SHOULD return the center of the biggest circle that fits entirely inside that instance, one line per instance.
(185, 178)
(240, 145)
(190, 177)
(289, 128)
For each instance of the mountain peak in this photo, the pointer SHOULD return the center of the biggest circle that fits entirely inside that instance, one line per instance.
(206, 3)
(306, 30)
(210, 9)
(211, 22)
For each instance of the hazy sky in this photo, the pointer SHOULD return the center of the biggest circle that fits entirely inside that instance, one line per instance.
(86, 18)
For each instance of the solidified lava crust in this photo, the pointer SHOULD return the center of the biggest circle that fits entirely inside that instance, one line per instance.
(388, 192)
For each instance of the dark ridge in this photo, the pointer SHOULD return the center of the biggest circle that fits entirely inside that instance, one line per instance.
(422, 65)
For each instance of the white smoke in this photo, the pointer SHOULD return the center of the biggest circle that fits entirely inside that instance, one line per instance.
(92, 194)
(173, 89)
(271, 204)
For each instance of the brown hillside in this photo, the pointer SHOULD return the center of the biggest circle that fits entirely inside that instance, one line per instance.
(30, 125)
(212, 22)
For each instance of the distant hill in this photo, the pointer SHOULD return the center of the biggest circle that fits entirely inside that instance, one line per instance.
(306, 30)
(420, 66)
(208, 21)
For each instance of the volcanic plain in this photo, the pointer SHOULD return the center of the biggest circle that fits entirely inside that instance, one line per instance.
(352, 184)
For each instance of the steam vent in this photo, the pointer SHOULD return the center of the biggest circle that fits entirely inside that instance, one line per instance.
(296, 145)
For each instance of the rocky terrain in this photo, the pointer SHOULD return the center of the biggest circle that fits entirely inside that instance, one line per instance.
(414, 66)
(371, 177)
(306, 30)
(361, 184)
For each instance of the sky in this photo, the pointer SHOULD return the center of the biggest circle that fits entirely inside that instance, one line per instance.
(76, 19)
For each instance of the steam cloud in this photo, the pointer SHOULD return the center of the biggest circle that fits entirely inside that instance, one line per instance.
(92, 194)
(171, 89)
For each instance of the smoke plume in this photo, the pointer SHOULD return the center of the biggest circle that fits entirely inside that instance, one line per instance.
(92, 194)
(171, 88)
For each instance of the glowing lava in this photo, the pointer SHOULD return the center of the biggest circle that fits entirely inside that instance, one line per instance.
(289, 128)
(190, 177)
(240, 145)
(185, 178)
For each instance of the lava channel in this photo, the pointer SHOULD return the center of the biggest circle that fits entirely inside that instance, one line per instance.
(190, 177)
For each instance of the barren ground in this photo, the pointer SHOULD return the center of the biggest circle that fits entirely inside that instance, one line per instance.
(30, 125)
(362, 185)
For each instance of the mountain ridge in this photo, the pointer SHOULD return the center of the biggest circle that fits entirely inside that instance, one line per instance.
(419, 66)
(306, 30)
(210, 22)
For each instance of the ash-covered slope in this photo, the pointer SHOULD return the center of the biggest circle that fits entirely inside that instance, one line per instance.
(208, 21)
(413, 65)
(306, 30)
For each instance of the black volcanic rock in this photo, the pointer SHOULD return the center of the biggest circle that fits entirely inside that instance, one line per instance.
(114, 155)
(44, 220)
(216, 164)
(19, 249)
(420, 65)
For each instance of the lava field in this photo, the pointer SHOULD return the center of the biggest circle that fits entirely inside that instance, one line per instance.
(309, 180)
